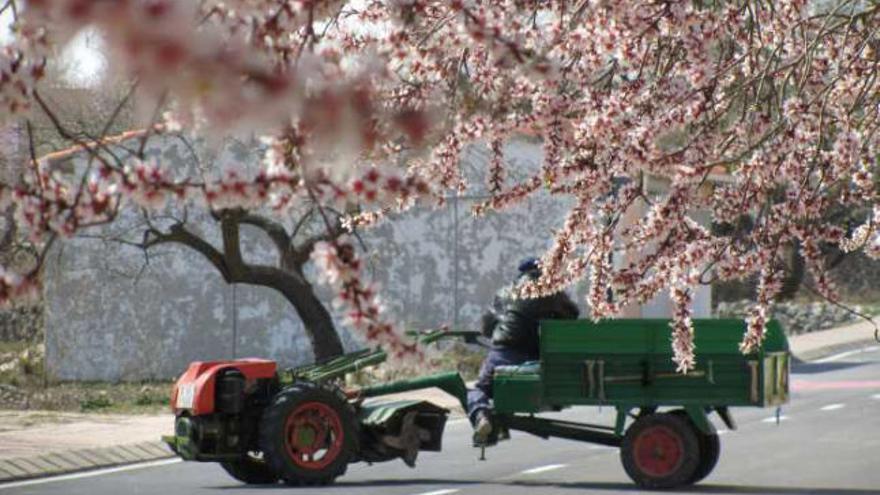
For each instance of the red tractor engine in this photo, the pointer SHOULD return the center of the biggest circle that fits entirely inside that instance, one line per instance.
(218, 405)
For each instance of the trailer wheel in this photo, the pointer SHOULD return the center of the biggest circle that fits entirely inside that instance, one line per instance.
(710, 449)
(251, 470)
(308, 434)
(660, 450)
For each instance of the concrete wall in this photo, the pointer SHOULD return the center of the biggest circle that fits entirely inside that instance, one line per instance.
(109, 317)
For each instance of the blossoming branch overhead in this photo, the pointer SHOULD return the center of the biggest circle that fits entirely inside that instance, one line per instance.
(372, 102)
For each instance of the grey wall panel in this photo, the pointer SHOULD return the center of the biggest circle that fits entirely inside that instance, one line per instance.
(436, 267)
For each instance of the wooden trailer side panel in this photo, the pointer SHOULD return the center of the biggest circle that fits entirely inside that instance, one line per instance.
(630, 362)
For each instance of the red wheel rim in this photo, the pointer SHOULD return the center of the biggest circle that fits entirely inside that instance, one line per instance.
(659, 451)
(313, 435)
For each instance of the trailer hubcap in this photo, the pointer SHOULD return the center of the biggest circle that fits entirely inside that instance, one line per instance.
(659, 451)
(313, 435)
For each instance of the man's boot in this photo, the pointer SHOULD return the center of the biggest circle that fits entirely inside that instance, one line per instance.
(482, 427)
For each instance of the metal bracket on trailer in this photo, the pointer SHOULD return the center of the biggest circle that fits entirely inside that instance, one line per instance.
(592, 381)
(753, 375)
(724, 414)
(546, 428)
(620, 422)
(700, 419)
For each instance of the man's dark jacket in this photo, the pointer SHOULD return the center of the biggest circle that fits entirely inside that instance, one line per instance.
(516, 320)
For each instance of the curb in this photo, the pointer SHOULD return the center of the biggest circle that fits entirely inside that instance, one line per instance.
(71, 461)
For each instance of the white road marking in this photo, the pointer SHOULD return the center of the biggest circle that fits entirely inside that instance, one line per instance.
(543, 469)
(601, 447)
(832, 407)
(772, 419)
(842, 355)
(440, 492)
(876, 396)
(90, 474)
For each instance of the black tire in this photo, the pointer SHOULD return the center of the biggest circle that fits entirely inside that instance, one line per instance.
(250, 470)
(308, 434)
(660, 451)
(710, 449)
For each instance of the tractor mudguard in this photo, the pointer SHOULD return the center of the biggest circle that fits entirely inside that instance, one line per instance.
(400, 429)
(194, 390)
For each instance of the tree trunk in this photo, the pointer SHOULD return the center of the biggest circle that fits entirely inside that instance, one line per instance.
(315, 317)
(288, 279)
(794, 274)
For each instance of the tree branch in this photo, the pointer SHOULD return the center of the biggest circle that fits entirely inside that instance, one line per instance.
(301, 222)
(179, 234)
(273, 229)
(229, 223)
(300, 253)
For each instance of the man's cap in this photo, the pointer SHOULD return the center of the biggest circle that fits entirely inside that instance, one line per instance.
(528, 264)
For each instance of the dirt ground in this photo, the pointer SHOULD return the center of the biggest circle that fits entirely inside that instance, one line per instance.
(11, 420)
(124, 398)
(24, 387)
(29, 433)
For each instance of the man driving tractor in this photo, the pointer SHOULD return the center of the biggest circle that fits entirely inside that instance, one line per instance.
(512, 324)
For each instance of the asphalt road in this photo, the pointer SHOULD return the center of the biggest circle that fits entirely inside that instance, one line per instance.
(827, 442)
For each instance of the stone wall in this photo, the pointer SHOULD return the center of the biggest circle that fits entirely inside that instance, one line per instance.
(796, 317)
(858, 278)
(21, 323)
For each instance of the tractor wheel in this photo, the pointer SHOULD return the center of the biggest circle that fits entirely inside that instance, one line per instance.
(308, 434)
(660, 450)
(251, 470)
(710, 449)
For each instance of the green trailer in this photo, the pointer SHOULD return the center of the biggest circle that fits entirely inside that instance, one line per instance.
(299, 426)
(662, 424)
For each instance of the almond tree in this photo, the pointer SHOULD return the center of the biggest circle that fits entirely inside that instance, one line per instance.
(373, 101)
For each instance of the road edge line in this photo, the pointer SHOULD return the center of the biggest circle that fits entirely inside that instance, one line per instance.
(90, 473)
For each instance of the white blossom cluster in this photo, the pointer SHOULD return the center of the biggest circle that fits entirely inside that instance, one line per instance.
(340, 267)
